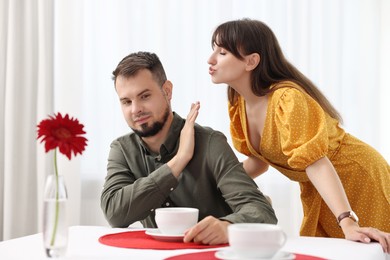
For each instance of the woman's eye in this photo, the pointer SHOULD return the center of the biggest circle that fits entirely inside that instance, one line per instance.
(222, 51)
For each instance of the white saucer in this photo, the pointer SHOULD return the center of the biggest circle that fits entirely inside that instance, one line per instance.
(229, 254)
(156, 234)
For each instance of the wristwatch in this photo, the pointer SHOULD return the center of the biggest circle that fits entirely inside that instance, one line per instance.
(347, 214)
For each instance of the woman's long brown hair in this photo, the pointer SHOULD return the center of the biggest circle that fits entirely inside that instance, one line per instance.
(247, 36)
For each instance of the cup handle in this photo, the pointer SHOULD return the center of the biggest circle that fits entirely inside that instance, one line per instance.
(284, 239)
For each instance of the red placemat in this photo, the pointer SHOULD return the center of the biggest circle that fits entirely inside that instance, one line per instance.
(138, 239)
(210, 255)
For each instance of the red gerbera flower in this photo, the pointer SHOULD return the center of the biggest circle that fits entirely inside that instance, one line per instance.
(64, 133)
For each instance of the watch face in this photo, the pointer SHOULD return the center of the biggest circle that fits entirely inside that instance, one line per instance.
(354, 216)
(348, 214)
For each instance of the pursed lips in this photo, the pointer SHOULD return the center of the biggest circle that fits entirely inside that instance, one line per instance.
(211, 71)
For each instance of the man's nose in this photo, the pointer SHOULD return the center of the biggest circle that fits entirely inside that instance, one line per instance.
(136, 108)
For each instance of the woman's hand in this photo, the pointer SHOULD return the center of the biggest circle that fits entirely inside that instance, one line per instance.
(353, 232)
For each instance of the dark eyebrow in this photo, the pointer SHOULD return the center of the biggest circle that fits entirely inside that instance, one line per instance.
(143, 92)
(139, 94)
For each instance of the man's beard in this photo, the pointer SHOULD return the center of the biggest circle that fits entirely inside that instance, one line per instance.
(154, 128)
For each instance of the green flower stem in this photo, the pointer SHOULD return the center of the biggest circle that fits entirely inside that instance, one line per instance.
(53, 236)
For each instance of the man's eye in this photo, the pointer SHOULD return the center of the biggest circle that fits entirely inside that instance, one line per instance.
(126, 102)
(145, 96)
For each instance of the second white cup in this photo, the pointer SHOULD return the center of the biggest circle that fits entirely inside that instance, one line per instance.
(255, 240)
(176, 220)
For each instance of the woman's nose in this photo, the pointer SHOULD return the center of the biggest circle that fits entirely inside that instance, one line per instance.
(211, 60)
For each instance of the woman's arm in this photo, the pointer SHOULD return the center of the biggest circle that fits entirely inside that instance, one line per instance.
(325, 179)
(254, 166)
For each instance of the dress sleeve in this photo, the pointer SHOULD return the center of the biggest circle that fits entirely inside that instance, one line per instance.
(301, 123)
(236, 130)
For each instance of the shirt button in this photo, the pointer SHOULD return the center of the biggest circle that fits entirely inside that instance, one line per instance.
(171, 189)
(167, 204)
(152, 210)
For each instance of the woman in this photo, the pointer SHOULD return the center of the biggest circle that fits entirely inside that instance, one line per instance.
(279, 118)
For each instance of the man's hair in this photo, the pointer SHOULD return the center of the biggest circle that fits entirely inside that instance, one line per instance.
(134, 62)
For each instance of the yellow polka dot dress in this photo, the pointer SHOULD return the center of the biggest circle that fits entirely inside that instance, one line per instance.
(296, 133)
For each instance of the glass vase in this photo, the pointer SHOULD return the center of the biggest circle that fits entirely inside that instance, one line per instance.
(55, 224)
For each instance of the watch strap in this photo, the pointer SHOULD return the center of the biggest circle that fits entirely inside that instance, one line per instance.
(347, 214)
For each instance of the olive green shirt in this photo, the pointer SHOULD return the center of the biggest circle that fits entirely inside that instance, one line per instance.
(214, 181)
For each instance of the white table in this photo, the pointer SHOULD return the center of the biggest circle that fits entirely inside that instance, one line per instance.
(84, 244)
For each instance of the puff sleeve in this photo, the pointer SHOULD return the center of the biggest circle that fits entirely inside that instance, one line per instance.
(236, 130)
(301, 123)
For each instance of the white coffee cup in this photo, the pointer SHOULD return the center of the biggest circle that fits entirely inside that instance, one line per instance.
(255, 240)
(176, 220)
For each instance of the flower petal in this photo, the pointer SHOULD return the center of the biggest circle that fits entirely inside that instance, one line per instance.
(64, 133)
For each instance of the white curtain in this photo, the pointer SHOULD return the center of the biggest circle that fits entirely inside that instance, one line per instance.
(26, 87)
(342, 45)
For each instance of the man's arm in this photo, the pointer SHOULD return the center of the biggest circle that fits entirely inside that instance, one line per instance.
(127, 198)
(239, 190)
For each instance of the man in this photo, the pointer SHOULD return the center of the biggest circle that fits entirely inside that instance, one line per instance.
(171, 162)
